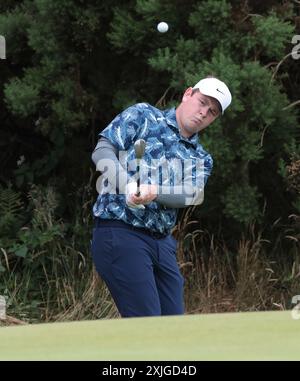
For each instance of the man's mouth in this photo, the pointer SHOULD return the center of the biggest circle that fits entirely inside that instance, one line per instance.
(198, 121)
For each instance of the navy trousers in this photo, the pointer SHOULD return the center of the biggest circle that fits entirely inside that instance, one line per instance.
(140, 271)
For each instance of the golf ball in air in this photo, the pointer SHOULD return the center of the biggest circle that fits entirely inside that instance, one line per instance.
(162, 27)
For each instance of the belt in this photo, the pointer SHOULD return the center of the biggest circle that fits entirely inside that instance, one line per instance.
(99, 222)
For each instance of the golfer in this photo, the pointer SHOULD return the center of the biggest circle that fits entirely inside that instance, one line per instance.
(137, 206)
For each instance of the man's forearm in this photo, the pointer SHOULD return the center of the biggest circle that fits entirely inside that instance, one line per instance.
(178, 198)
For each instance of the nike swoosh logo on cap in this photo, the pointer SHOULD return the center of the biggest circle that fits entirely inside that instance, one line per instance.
(220, 91)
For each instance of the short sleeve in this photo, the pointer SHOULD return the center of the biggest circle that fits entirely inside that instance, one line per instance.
(124, 129)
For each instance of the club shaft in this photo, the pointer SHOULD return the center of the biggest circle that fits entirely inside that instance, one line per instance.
(138, 182)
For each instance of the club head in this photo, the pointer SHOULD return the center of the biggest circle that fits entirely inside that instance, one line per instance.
(139, 148)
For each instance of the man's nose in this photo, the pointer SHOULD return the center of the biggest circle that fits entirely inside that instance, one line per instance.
(204, 111)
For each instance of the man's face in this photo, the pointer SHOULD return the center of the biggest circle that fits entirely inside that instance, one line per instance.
(196, 112)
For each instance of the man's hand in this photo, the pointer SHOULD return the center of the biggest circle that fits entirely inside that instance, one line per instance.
(148, 193)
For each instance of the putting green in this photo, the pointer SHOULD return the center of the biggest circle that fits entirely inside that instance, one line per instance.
(230, 336)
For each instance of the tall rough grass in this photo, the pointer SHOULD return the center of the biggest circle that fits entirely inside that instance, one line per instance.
(47, 273)
(242, 278)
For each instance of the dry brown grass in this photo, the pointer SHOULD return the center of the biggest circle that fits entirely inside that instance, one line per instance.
(94, 303)
(241, 279)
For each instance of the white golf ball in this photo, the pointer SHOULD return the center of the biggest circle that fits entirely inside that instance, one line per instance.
(162, 27)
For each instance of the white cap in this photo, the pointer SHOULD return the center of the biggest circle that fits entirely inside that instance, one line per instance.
(217, 89)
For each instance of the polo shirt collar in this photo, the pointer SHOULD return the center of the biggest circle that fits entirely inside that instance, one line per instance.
(170, 116)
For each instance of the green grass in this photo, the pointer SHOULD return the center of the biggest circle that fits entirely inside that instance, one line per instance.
(230, 336)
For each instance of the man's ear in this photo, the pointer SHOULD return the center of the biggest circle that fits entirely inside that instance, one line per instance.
(187, 94)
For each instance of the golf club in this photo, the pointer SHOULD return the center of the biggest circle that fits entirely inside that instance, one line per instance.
(139, 149)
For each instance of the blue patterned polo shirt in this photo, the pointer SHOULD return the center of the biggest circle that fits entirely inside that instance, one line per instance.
(163, 144)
